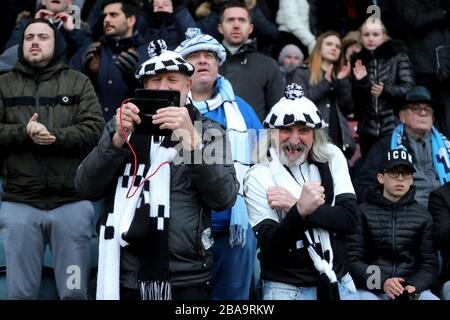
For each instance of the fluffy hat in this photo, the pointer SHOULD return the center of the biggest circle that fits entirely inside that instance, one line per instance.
(196, 41)
(290, 49)
(294, 108)
(163, 60)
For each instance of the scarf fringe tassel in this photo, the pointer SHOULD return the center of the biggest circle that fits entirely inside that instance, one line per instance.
(155, 290)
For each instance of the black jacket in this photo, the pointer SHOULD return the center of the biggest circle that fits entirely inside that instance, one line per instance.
(398, 238)
(334, 101)
(195, 189)
(255, 77)
(429, 23)
(439, 207)
(387, 64)
(280, 259)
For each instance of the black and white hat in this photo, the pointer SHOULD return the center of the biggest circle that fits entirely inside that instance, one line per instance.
(196, 41)
(294, 108)
(397, 157)
(163, 60)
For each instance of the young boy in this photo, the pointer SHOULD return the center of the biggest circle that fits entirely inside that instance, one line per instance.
(392, 253)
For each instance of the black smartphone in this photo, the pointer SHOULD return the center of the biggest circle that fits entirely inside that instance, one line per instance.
(149, 101)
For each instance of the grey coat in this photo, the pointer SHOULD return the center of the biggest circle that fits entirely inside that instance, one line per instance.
(195, 190)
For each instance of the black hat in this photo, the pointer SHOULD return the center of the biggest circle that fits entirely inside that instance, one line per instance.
(420, 94)
(397, 157)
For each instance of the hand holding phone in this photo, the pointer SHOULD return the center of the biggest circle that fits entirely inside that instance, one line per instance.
(149, 102)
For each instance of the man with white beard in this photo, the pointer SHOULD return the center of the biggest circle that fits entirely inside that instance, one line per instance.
(301, 204)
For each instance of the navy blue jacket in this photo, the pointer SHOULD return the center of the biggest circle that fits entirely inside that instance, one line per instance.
(112, 86)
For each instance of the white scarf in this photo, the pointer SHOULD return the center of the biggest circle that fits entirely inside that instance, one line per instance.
(108, 279)
(284, 179)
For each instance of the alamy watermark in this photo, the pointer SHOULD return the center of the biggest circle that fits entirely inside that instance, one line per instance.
(374, 280)
(73, 281)
(75, 12)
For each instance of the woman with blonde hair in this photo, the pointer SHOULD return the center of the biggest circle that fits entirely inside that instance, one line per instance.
(326, 82)
(382, 76)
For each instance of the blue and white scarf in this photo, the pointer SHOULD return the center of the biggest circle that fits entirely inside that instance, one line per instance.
(242, 144)
(440, 149)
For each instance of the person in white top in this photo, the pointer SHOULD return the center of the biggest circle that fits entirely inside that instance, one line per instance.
(301, 204)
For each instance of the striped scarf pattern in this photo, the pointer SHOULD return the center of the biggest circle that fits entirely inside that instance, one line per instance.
(141, 221)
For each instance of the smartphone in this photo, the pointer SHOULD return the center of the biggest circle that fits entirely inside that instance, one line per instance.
(148, 102)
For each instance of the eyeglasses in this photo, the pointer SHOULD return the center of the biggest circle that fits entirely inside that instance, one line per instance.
(394, 174)
(417, 109)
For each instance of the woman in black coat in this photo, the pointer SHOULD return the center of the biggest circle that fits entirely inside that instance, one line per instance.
(381, 77)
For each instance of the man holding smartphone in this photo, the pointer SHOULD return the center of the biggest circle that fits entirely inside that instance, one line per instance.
(155, 236)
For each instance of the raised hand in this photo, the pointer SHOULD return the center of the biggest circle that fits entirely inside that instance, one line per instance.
(359, 70)
(67, 19)
(91, 57)
(125, 125)
(43, 14)
(344, 72)
(178, 120)
(128, 61)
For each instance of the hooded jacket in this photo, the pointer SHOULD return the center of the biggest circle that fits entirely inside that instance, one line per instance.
(396, 237)
(65, 101)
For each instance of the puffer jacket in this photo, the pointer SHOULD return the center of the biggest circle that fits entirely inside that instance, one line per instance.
(66, 103)
(387, 64)
(398, 238)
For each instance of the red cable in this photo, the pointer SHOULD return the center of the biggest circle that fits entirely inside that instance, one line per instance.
(134, 156)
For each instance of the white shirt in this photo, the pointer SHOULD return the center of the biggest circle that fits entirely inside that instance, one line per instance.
(259, 178)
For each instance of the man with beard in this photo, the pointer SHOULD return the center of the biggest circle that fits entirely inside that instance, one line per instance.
(301, 205)
(50, 119)
(111, 62)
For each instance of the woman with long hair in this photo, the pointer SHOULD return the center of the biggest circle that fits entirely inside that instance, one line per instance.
(326, 82)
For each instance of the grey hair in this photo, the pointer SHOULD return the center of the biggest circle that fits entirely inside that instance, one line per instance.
(268, 138)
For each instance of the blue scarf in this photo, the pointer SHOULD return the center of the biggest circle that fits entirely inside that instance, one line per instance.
(241, 143)
(440, 148)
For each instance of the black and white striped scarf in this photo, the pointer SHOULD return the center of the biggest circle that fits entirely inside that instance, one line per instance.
(319, 245)
(141, 222)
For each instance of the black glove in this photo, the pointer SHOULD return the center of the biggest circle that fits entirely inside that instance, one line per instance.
(93, 49)
(128, 61)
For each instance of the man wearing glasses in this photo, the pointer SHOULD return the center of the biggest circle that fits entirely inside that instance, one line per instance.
(417, 135)
(392, 254)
